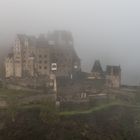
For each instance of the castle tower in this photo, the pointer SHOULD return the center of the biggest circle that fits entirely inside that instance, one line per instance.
(113, 76)
(97, 71)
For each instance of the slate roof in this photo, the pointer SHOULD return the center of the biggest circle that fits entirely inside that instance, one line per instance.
(97, 67)
(113, 69)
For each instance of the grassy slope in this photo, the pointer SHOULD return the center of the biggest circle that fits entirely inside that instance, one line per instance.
(106, 121)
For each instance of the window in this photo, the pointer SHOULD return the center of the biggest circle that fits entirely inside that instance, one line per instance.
(45, 61)
(45, 67)
(17, 61)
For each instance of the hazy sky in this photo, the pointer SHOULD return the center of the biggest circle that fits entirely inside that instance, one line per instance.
(108, 30)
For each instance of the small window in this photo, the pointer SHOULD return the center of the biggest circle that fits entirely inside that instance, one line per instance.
(45, 67)
(40, 67)
(17, 61)
(45, 62)
(40, 55)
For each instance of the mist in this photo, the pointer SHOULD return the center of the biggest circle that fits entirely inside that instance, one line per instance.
(105, 30)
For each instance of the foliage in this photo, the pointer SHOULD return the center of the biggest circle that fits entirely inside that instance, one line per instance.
(49, 113)
(113, 123)
(137, 96)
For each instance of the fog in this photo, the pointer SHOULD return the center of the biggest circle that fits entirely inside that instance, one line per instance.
(102, 29)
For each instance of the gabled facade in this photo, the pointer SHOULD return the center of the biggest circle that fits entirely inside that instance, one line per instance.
(113, 76)
(33, 57)
(97, 71)
(9, 66)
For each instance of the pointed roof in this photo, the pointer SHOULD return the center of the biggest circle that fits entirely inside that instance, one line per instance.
(97, 67)
(22, 38)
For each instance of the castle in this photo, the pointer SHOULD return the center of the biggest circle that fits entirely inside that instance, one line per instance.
(112, 74)
(40, 56)
(52, 57)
